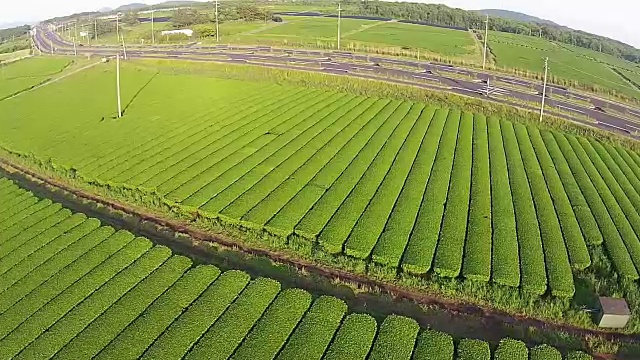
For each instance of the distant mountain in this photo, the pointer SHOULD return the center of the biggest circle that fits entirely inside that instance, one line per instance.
(105, 10)
(131, 7)
(513, 15)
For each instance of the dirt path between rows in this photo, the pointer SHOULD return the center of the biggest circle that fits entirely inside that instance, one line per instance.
(454, 308)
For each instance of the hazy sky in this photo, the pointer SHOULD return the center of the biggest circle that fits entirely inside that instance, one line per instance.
(612, 18)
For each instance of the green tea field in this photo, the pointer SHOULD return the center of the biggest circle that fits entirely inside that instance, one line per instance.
(395, 184)
(24, 74)
(71, 288)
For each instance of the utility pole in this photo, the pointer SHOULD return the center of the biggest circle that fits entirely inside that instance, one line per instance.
(544, 87)
(486, 35)
(339, 14)
(95, 28)
(124, 49)
(153, 35)
(118, 84)
(217, 24)
(117, 26)
(75, 50)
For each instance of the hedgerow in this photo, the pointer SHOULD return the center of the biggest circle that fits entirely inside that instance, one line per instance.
(38, 321)
(510, 349)
(575, 243)
(227, 192)
(371, 223)
(477, 253)
(114, 320)
(471, 349)
(614, 208)
(344, 219)
(450, 248)
(556, 257)
(56, 276)
(336, 186)
(434, 345)
(286, 190)
(176, 341)
(67, 328)
(613, 241)
(396, 338)
(315, 331)
(226, 334)
(505, 259)
(395, 236)
(263, 179)
(140, 334)
(420, 250)
(544, 352)
(312, 191)
(272, 330)
(354, 338)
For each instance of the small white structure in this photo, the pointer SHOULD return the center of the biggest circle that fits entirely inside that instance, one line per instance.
(187, 32)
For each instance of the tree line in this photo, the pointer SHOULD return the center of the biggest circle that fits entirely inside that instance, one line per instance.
(443, 15)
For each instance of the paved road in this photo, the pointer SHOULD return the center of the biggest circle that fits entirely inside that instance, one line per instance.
(604, 114)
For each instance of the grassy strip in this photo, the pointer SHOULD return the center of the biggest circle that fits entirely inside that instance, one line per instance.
(224, 336)
(614, 208)
(354, 338)
(532, 265)
(19, 214)
(471, 349)
(109, 324)
(20, 251)
(176, 341)
(613, 240)
(274, 202)
(190, 189)
(139, 335)
(315, 331)
(629, 174)
(396, 339)
(628, 159)
(271, 332)
(477, 253)
(45, 253)
(393, 240)
(309, 211)
(556, 257)
(244, 172)
(420, 250)
(38, 322)
(544, 352)
(450, 248)
(335, 234)
(510, 349)
(434, 345)
(60, 272)
(256, 184)
(335, 186)
(370, 225)
(575, 242)
(63, 331)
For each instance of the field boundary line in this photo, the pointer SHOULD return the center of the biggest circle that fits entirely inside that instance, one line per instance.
(21, 174)
(51, 81)
(363, 28)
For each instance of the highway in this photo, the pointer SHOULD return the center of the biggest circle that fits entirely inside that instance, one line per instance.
(564, 103)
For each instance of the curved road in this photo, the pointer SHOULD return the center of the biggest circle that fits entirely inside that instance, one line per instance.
(571, 105)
